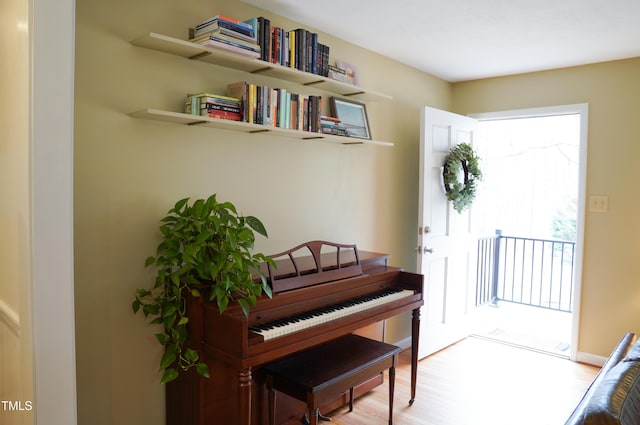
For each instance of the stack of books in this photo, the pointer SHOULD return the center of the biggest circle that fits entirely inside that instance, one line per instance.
(332, 125)
(222, 32)
(213, 106)
(277, 107)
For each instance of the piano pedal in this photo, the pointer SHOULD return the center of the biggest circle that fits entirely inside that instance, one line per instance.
(305, 418)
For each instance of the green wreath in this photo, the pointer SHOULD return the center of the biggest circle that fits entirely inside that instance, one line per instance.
(462, 193)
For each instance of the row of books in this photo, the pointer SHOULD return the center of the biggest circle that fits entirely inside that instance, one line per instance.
(214, 106)
(277, 107)
(228, 34)
(298, 48)
(259, 104)
(257, 38)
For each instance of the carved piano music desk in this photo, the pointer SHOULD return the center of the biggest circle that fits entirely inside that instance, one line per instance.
(321, 291)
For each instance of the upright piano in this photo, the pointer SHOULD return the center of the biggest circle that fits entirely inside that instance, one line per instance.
(321, 291)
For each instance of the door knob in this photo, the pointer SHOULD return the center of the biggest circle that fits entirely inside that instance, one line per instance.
(428, 250)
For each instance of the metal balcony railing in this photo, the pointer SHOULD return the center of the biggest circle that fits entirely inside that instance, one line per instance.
(536, 272)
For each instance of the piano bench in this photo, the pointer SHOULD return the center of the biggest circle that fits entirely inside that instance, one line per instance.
(330, 369)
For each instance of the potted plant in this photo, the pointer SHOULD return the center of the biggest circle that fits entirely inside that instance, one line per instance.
(205, 244)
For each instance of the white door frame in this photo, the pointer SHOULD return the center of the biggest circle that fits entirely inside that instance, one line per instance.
(583, 110)
(52, 32)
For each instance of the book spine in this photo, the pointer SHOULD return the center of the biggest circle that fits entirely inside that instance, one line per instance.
(260, 35)
(275, 44)
(236, 43)
(224, 46)
(327, 57)
(292, 49)
(265, 105)
(287, 111)
(314, 53)
(222, 115)
(239, 91)
(251, 103)
(223, 101)
(274, 108)
(301, 102)
(285, 49)
(304, 50)
(293, 112)
(282, 108)
(314, 113)
(300, 49)
(241, 29)
(222, 108)
(224, 36)
(267, 40)
(195, 105)
(224, 19)
(309, 52)
(324, 59)
(306, 114)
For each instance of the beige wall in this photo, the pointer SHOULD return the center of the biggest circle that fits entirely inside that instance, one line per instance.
(15, 227)
(129, 172)
(610, 302)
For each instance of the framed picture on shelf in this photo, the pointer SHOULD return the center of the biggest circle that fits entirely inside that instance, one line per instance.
(350, 71)
(352, 115)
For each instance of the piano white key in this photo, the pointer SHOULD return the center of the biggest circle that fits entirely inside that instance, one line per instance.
(292, 327)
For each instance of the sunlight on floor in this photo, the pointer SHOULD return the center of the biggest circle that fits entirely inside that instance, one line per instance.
(476, 381)
(532, 327)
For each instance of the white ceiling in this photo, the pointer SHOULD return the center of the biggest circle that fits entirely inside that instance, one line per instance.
(460, 40)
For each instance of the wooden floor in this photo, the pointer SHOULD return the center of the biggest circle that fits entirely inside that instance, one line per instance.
(478, 382)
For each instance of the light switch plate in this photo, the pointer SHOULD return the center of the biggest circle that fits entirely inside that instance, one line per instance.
(599, 203)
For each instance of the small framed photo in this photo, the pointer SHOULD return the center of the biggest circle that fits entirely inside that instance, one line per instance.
(352, 115)
(350, 70)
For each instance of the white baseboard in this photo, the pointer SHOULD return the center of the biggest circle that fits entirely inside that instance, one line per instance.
(403, 343)
(591, 359)
(10, 318)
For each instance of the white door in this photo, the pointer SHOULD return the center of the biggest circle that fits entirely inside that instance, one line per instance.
(446, 246)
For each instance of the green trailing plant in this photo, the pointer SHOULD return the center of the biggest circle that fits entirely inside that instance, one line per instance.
(206, 246)
(461, 193)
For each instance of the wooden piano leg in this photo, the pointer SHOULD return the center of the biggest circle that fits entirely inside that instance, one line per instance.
(392, 382)
(244, 396)
(415, 334)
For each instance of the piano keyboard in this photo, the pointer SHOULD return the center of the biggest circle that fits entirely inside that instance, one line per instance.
(309, 319)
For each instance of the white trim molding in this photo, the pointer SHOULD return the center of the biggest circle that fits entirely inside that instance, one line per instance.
(52, 31)
(591, 359)
(403, 343)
